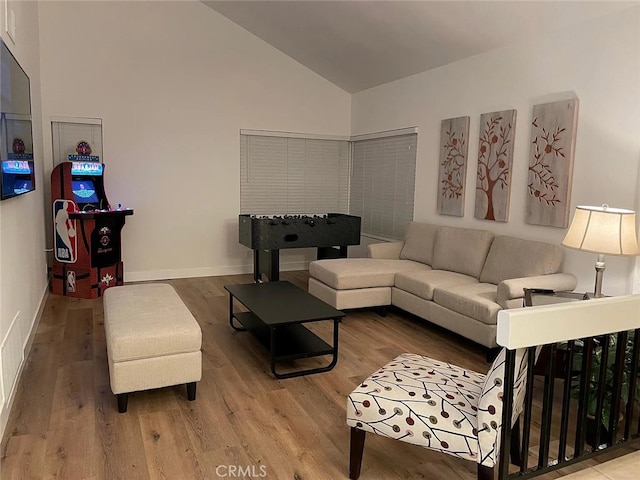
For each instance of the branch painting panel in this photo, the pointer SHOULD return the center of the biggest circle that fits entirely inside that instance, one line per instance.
(495, 156)
(454, 146)
(553, 137)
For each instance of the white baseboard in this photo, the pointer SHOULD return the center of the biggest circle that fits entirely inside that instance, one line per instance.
(10, 341)
(145, 276)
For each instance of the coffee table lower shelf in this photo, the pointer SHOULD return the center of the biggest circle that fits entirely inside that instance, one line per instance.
(289, 342)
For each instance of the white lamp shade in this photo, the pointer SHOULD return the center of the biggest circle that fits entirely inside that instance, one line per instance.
(603, 230)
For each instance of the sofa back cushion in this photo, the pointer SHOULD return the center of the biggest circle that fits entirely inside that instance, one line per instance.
(418, 242)
(461, 250)
(511, 257)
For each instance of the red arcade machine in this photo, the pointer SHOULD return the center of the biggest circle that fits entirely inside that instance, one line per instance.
(86, 232)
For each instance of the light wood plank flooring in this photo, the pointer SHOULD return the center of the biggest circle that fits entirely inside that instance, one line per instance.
(244, 423)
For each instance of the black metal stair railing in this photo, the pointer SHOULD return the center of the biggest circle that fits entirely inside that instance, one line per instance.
(584, 401)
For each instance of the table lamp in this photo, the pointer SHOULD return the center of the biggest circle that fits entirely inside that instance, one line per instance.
(605, 231)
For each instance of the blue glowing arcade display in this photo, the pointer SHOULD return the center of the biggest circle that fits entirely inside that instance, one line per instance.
(85, 191)
(87, 168)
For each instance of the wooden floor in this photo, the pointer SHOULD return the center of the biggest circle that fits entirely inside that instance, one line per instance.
(244, 423)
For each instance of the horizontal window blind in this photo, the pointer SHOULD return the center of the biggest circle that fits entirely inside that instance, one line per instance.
(383, 184)
(286, 175)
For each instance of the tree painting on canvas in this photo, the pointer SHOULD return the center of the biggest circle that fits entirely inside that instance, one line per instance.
(495, 156)
(452, 174)
(553, 135)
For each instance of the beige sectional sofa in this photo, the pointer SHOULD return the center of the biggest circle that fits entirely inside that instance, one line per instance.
(457, 278)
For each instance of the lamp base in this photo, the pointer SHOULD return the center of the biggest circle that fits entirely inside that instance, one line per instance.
(600, 266)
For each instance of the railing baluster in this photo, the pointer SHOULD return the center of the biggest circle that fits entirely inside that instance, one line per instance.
(566, 401)
(583, 401)
(602, 388)
(507, 410)
(528, 408)
(618, 380)
(547, 407)
(635, 354)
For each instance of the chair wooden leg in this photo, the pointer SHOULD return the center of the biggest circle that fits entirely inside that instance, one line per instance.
(485, 473)
(356, 451)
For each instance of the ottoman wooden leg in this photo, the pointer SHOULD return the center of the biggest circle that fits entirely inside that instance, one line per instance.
(191, 391)
(122, 402)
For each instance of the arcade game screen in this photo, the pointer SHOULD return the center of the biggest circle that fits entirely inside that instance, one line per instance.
(85, 191)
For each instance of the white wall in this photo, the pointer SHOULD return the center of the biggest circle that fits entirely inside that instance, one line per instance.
(174, 82)
(23, 279)
(598, 62)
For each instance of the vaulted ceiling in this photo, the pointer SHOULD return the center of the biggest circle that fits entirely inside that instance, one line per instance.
(362, 44)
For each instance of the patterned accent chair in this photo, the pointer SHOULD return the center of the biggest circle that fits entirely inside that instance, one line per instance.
(436, 405)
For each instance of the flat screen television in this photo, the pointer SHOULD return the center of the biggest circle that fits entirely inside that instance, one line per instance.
(17, 175)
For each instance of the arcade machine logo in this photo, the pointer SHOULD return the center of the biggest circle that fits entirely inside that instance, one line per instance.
(107, 279)
(83, 153)
(71, 281)
(18, 146)
(65, 247)
(19, 150)
(104, 239)
(83, 148)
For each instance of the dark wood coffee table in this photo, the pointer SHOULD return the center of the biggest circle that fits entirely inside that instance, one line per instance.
(277, 312)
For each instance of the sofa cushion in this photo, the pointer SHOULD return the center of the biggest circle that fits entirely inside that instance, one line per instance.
(461, 250)
(348, 273)
(423, 282)
(511, 257)
(476, 300)
(418, 242)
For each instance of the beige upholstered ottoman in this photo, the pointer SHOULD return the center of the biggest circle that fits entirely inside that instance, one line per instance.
(152, 339)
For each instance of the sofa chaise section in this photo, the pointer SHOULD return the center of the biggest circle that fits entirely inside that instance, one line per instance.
(347, 283)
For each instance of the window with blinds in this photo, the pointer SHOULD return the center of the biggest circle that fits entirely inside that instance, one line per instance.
(284, 175)
(382, 184)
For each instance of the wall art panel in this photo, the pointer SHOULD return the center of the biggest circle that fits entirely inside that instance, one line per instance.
(495, 155)
(553, 138)
(454, 146)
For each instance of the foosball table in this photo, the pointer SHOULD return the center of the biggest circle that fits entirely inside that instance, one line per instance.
(266, 235)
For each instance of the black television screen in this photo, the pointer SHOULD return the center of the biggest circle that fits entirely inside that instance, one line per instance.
(84, 191)
(16, 138)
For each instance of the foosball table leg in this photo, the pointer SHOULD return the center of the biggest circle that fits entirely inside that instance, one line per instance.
(266, 262)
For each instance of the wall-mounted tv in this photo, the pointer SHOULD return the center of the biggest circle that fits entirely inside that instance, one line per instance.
(17, 173)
